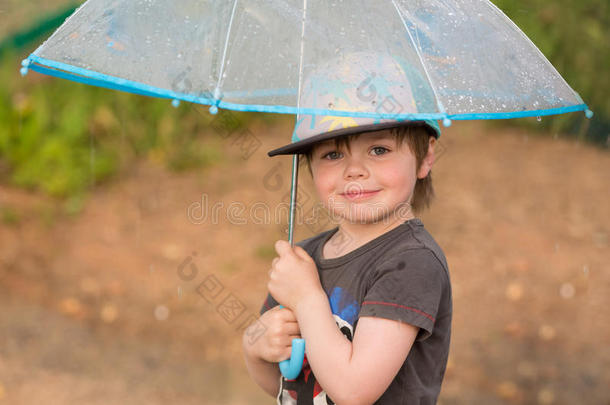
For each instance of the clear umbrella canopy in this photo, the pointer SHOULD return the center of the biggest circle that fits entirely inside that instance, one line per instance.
(255, 55)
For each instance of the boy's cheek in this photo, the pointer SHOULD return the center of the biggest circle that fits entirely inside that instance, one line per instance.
(323, 189)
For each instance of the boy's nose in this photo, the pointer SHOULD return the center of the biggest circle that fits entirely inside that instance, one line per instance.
(355, 170)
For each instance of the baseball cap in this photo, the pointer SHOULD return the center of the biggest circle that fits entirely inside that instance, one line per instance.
(360, 82)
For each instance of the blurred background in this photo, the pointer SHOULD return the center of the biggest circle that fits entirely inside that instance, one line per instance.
(134, 250)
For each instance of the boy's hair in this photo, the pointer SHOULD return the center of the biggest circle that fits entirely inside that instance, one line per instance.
(417, 137)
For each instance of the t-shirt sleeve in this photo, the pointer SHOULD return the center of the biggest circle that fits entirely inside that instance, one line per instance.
(407, 288)
(269, 303)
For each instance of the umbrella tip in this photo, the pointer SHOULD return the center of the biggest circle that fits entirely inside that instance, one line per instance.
(25, 64)
(446, 122)
(588, 113)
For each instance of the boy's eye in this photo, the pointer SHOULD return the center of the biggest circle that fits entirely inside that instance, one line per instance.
(380, 150)
(331, 155)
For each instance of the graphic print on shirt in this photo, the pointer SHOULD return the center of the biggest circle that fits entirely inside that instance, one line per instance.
(301, 390)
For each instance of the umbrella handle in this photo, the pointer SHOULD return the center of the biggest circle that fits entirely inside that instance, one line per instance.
(291, 368)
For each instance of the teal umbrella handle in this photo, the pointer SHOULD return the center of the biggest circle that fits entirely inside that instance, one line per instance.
(291, 368)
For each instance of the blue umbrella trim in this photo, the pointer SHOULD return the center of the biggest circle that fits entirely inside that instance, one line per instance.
(81, 75)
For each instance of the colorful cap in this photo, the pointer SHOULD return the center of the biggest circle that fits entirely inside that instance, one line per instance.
(359, 82)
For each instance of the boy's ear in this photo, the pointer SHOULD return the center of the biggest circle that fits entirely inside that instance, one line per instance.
(428, 161)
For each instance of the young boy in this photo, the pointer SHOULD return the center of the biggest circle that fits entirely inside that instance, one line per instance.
(371, 297)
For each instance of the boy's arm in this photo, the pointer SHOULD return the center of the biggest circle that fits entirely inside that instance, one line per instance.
(265, 374)
(355, 372)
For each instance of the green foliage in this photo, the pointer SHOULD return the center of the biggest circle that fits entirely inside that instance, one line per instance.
(61, 137)
(574, 36)
(265, 252)
(9, 216)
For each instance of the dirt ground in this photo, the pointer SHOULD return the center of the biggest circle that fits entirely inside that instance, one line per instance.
(126, 303)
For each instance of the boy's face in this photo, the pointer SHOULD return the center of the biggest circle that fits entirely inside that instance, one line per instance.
(372, 181)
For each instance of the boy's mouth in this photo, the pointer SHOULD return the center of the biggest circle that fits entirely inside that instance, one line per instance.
(359, 194)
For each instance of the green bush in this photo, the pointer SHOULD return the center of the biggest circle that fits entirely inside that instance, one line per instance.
(62, 137)
(574, 36)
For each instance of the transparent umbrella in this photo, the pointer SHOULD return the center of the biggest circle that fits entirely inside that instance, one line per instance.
(468, 59)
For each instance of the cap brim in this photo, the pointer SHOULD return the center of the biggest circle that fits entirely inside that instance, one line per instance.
(304, 145)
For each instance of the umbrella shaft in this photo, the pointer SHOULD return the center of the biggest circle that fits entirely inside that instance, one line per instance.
(293, 197)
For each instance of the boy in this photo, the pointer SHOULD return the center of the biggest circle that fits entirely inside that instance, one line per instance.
(371, 297)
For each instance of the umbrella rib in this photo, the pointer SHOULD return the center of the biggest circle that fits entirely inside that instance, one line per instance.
(224, 53)
(295, 157)
(301, 54)
(78, 9)
(421, 60)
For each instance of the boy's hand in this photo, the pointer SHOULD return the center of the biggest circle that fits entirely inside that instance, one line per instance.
(275, 344)
(293, 275)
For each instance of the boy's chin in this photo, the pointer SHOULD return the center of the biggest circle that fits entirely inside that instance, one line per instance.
(373, 214)
(362, 217)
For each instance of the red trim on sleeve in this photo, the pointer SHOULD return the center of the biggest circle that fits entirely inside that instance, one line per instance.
(400, 306)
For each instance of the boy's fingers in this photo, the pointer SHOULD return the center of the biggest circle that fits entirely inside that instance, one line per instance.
(288, 315)
(293, 329)
(302, 253)
(282, 247)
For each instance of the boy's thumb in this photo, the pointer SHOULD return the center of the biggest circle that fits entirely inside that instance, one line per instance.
(302, 253)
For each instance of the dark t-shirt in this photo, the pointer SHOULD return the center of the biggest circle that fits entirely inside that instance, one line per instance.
(401, 275)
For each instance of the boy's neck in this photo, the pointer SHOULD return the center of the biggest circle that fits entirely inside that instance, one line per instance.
(352, 235)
